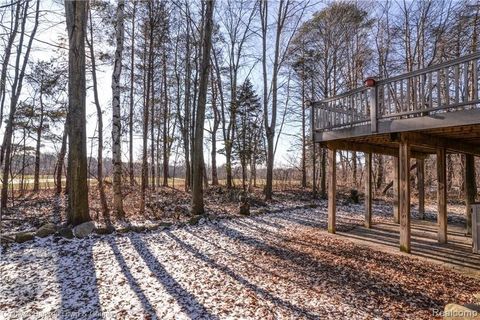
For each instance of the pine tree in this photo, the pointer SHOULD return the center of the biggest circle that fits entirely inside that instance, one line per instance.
(248, 147)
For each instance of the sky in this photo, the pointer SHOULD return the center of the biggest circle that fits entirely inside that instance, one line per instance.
(53, 28)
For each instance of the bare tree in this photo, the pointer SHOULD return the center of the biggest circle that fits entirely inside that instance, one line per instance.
(130, 113)
(19, 74)
(101, 186)
(288, 11)
(116, 114)
(198, 164)
(78, 212)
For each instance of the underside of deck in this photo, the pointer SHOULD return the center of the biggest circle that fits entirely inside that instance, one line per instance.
(457, 132)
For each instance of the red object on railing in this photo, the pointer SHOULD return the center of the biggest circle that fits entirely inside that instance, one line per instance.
(370, 82)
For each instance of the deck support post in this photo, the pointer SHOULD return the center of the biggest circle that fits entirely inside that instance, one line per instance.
(332, 181)
(395, 191)
(421, 187)
(470, 189)
(442, 195)
(404, 192)
(368, 190)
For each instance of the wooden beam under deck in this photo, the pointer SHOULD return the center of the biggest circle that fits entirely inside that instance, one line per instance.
(368, 148)
(426, 140)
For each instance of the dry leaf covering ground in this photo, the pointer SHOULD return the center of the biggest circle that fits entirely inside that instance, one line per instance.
(280, 265)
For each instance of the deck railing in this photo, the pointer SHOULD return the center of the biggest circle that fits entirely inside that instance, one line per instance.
(449, 86)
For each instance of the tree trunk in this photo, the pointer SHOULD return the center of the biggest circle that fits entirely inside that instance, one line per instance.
(187, 120)
(61, 159)
(198, 164)
(304, 136)
(323, 173)
(380, 170)
(152, 128)
(165, 122)
(36, 173)
(101, 187)
(130, 114)
(216, 123)
(146, 114)
(76, 14)
(470, 188)
(354, 169)
(116, 115)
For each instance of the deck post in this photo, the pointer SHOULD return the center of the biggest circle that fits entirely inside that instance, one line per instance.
(421, 187)
(470, 188)
(368, 190)
(332, 181)
(404, 192)
(395, 191)
(442, 195)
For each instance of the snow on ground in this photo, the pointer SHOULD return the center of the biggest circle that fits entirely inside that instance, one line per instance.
(281, 265)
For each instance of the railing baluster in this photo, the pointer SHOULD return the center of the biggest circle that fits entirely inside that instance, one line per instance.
(439, 89)
(457, 83)
(475, 80)
(395, 100)
(447, 87)
(415, 93)
(422, 91)
(465, 97)
(401, 96)
(430, 90)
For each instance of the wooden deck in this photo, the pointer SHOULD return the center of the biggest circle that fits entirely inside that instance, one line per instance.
(457, 254)
(439, 103)
(435, 110)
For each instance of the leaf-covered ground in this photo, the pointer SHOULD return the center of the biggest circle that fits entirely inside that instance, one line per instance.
(280, 265)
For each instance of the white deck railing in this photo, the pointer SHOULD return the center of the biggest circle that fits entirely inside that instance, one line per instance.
(446, 87)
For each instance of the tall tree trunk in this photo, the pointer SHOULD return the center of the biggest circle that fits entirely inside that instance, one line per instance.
(216, 123)
(165, 122)
(36, 172)
(304, 136)
(76, 14)
(152, 129)
(116, 114)
(270, 124)
(187, 117)
(198, 163)
(130, 114)
(101, 186)
(147, 104)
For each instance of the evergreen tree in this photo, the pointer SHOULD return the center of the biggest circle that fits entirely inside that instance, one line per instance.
(248, 147)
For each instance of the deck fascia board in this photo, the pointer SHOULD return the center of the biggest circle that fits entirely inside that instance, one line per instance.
(436, 121)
